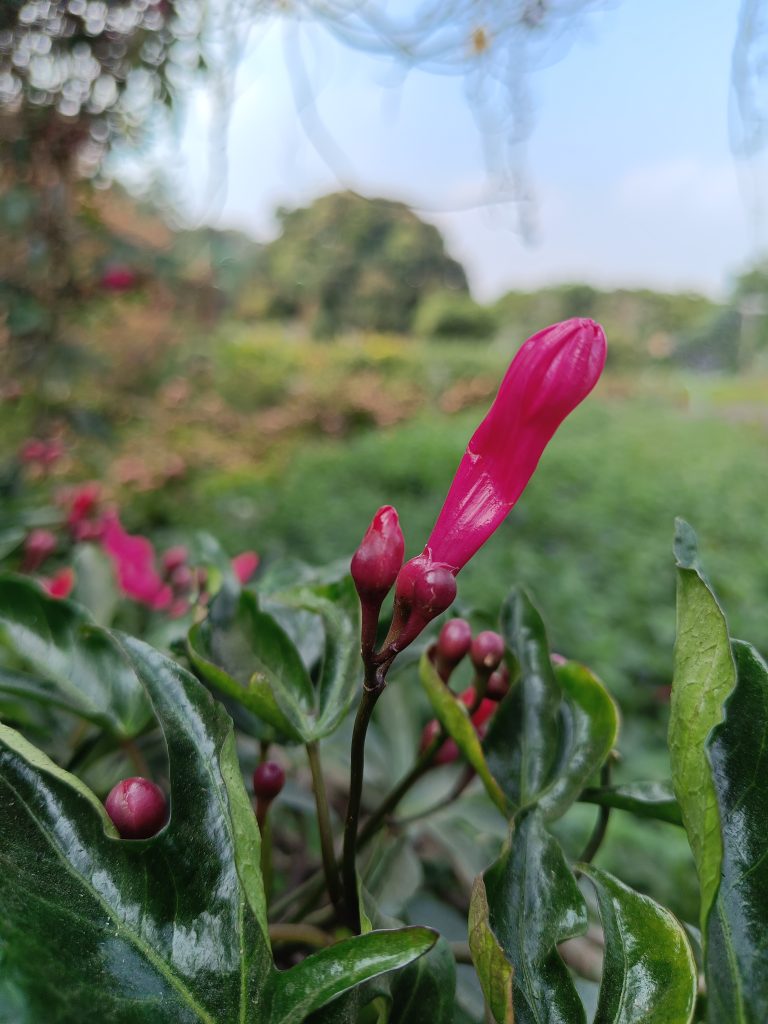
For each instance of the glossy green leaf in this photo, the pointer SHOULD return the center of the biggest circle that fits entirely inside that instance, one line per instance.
(172, 929)
(649, 972)
(294, 994)
(249, 655)
(534, 903)
(425, 991)
(554, 729)
(454, 717)
(341, 672)
(493, 969)
(704, 675)
(644, 799)
(534, 704)
(589, 726)
(250, 658)
(737, 932)
(55, 651)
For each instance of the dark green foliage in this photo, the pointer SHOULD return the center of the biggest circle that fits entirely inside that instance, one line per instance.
(452, 315)
(346, 262)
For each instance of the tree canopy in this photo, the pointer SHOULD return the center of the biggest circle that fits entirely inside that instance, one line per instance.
(349, 262)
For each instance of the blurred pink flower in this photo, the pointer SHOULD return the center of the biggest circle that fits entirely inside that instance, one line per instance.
(41, 454)
(119, 277)
(134, 559)
(552, 373)
(39, 545)
(84, 513)
(244, 565)
(60, 584)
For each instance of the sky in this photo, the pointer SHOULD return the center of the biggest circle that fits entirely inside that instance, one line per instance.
(628, 162)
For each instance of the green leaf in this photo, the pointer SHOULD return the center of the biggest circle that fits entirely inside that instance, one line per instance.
(250, 657)
(248, 654)
(425, 992)
(704, 675)
(454, 717)
(340, 673)
(321, 977)
(171, 929)
(649, 972)
(589, 725)
(737, 933)
(493, 968)
(95, 587)
(644, 799)
(534, 904)
(55, 652)
(554, 729)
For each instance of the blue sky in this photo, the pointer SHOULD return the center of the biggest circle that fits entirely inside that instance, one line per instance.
(629, 162)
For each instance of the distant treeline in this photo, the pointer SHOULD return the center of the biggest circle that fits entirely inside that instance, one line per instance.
(343, 264)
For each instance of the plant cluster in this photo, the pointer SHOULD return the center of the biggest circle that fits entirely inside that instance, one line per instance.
(174, 898)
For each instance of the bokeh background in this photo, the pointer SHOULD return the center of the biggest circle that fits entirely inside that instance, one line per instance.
(264, 264)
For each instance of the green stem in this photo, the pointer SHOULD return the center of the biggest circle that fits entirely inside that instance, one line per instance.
(266, 854)
(595, 841)
(324, 825)
(357, 769)
(299, 935)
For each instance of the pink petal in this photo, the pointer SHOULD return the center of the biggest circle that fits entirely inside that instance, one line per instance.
(60, 585)
(134, 559)
(244, 565)
(551, 374)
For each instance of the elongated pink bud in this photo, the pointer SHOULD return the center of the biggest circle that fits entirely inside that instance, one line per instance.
(497, 687)
(377, 561)
(137, 807)
(551, 374)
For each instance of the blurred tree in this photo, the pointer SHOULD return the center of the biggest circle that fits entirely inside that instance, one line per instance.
(349, 262)
(453, 315)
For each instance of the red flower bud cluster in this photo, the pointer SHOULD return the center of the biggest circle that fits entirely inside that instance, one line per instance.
(137, 807)
(448, 752)
(551, 374)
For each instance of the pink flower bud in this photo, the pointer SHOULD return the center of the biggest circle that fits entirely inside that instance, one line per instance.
(137, 807)
(173, 558)
(448, 752)
(377, 561)
(424, 589)
(245, 565)
(134, 559)
(268, 780)
(487, 651)
(453, 642)
(551, 374)
(498, 684)
(38, 546)
(182, 579)
(61, 584)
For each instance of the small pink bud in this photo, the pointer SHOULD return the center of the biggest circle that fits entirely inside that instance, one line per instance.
(377, 561)
(268, 780)
(245, 565)
(424, 589)
(174, 557)
(557, 659)
(454, 641)
(498, 684)
(448, 752)
(119, 277)
(38, 546)
(487, 651)
(182, 579)
(61, 584)
(138, 808)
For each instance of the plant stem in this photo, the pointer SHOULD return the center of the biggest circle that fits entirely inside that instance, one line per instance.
(371, 694)
(300, 935)
(455, 792)
(324, 825)
(595, 841)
